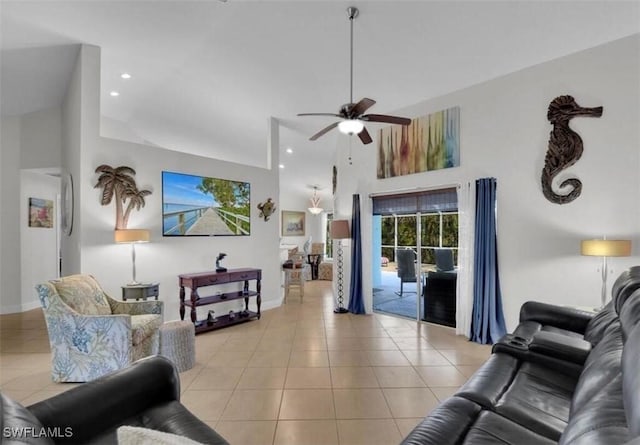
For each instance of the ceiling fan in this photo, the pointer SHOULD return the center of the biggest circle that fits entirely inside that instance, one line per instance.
(352, 113)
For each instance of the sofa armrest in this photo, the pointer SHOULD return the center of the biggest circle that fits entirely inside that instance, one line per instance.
(17, 423)
(109, 401)
(447, 424)
(562, 317)
(560, 346)
(520, 348)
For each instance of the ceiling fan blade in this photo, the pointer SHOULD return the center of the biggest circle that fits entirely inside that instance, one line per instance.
(385, 118)
(362, 106)
(323, 131)
(320, 114)
(365, 137)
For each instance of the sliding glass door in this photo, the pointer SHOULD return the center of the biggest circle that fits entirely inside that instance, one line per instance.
(397, 277)
(407, 231)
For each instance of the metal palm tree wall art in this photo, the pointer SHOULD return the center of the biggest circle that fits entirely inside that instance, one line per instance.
(119, 184)
(565, 148)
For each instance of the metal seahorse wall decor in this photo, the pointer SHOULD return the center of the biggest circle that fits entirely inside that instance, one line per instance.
(565, 147)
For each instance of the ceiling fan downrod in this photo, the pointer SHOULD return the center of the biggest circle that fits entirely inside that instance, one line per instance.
(352, 12)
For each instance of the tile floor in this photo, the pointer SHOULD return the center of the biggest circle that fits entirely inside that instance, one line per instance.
(299, 375)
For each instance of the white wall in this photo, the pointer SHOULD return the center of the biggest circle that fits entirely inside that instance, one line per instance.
(10, 300)
(70, 163)
(41, 139)
(504, 133)
(67, 139)
(30, 141)
(38, 246)
(115, 129)
(164, 257)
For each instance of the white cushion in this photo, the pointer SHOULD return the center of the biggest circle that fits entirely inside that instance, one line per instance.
(132, 435)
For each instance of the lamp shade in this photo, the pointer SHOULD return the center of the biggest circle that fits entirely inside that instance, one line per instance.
(340, 229)
(605, 247)
(132, 236)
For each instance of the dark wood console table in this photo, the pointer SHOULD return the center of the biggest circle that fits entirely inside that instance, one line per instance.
(202, 279)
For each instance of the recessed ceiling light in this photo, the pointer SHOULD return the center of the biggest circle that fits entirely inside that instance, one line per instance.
(114, 94)
(289, 150)
(281, 165)
(125, 75)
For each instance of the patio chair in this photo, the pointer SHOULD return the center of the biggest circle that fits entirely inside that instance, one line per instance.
(92, 334)
(406, 263)
(444, 260)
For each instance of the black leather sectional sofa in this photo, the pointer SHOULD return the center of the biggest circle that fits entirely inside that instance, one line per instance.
(564, 376)
(144, 395)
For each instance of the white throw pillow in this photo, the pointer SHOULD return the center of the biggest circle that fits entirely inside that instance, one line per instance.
(131, 435)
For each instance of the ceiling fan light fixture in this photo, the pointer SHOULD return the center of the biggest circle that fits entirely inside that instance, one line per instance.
(350, 126)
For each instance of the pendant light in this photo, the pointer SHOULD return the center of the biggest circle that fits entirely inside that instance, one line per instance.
(315, 208)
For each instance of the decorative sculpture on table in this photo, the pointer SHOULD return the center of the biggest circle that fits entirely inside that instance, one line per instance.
(306, 247)
(565, 147)
(119, 183)
(266, 209)
(220, 257)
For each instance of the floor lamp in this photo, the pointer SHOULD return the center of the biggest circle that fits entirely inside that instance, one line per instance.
(339, 231)
(605, 248)
(133, 237)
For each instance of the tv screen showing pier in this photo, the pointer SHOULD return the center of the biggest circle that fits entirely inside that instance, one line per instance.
(201, 206)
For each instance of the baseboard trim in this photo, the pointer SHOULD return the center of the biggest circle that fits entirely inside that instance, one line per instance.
(15, 309)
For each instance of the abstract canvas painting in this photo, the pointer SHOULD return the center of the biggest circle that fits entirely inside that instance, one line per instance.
(40, 213)
(430, 142)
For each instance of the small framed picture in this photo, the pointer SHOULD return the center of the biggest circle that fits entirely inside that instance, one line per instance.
(40, 213)
(293, 223)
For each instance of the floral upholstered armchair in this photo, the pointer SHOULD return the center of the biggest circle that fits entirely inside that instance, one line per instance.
(90, 333)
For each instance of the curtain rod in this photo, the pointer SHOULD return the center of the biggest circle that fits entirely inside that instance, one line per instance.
(413, 190)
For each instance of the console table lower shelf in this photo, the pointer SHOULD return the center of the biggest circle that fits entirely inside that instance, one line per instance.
(222, 321)
(198, 280)
(225, 320)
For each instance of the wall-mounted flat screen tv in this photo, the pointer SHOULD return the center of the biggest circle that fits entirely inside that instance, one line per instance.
(201, 206)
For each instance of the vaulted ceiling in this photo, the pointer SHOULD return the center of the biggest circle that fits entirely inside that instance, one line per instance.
(207, 75)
